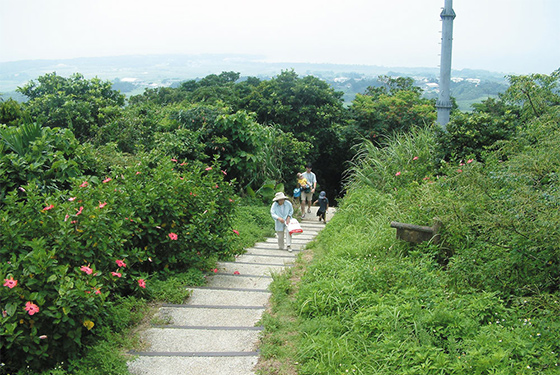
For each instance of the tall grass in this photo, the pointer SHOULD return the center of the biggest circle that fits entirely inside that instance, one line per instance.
(483, 301)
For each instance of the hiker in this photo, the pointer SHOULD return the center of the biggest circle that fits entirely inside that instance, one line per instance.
(307, 194)
(282, 211)
(323, 206)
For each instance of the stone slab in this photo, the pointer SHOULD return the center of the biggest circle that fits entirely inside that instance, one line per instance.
(271, 250)
(200, 340)
(228, 297)
(210, 317)
(193, 366)
(248, 269)
(235, 281)
(254, 258)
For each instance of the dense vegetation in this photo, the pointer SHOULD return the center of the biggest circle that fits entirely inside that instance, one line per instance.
(483, 301)
(102, 200)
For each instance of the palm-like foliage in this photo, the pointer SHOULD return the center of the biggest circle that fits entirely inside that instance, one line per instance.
(19, 138)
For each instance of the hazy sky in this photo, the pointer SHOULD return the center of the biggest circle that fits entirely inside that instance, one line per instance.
(510, 36)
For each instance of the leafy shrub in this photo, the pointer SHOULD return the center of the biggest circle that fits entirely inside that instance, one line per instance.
(48, 157)
(71, 250)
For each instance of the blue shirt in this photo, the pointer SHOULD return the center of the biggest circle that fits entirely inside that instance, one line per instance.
(281, 211)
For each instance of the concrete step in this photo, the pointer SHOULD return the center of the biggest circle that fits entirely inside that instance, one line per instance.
(272, 251)
(238, 281)
(300, 243)
(216, 317)
(179, 340)
(249, 269)
(228, 297)
(193, 365)
(259, 258)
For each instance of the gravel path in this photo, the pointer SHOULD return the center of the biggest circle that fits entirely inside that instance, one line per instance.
(215, 332)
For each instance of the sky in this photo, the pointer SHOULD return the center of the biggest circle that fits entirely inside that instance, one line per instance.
(509, 36)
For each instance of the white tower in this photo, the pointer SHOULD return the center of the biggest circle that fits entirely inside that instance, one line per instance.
(443, 104)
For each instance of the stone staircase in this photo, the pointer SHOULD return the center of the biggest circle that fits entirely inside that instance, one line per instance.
(216, 331)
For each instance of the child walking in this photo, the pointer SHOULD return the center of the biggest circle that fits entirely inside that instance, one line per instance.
(323, 206)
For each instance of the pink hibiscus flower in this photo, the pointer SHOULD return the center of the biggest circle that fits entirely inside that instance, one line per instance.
(10, 283)
(236, 232)
(107, 180)
(49, 207)
(120, 263)
(84, 184)
(101, 205)
(398, 174)
(31, 308)
(86, 269)
(142, 283)
(173, 236)
(117, 274)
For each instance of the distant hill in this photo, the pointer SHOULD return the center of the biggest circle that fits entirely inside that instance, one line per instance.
(132, 74)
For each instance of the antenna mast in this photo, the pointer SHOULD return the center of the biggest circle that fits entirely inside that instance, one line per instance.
(443, 103)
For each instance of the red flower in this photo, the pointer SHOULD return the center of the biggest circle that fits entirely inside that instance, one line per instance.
(107, 180)
(175, 160)
(120, 263)
(80, 210)
(225, 173)
(236, 273)
(142, 283)
(208, 169)
(173, 236)
(10, 283)
(101, 205)
(84, 184)
(117, 274)
(236, 232)
(137, 173)
(31, 308)
(49, 207)
(86, 269)
(97, 291)
(215, 270)
(415, 158)
(398, 174)
(470, 161)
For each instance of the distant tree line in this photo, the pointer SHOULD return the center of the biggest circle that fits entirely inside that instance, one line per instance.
(262, 130)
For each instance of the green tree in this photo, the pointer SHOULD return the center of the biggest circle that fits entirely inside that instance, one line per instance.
(76, 103)
(378, 116)
(536, 94)
(310, 109)
(10, 112)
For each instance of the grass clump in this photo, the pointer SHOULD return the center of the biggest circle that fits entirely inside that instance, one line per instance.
(483, 301)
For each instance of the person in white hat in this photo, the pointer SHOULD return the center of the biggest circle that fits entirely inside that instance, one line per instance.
(282, 211)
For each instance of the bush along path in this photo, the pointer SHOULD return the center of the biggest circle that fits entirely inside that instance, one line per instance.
(215, 332)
